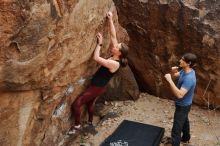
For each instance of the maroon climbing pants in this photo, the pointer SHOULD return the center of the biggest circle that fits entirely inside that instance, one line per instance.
(88, 97)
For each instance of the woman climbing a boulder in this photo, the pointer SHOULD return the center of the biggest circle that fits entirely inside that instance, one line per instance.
(108, 67)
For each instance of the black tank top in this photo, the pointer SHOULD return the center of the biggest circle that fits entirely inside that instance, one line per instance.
(102, 76)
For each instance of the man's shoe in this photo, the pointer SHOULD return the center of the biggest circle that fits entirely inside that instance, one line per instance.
(169, 144)
(184, 141)
(166, 140)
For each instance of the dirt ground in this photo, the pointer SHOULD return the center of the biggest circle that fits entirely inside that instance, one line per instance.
(205, 124)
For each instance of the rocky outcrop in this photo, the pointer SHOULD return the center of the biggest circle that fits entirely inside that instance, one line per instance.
(122, 87)
(162, 31)
(45, 62)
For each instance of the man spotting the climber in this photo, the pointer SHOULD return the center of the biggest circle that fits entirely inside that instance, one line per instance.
(183, 91)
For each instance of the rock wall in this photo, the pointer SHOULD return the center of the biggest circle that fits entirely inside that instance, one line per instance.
(162, 31)
(39, 46)
(45, 62)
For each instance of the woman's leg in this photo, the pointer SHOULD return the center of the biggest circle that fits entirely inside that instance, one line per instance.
(76, 108)
(87, 97)
(90, 105)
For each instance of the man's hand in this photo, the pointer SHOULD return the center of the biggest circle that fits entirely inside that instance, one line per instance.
(99, 39)
(168, 77)
(109, 15)
(179, 93)
(174, 69)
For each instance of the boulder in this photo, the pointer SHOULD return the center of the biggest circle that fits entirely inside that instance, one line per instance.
(162, 31)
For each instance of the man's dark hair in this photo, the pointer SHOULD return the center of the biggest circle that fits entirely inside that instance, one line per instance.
(190, 58)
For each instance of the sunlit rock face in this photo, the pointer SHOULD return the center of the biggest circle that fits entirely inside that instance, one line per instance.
(162, 31)
(45, 63)
(42, 47)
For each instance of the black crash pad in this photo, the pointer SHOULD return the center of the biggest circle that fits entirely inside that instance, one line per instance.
(131, 133)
